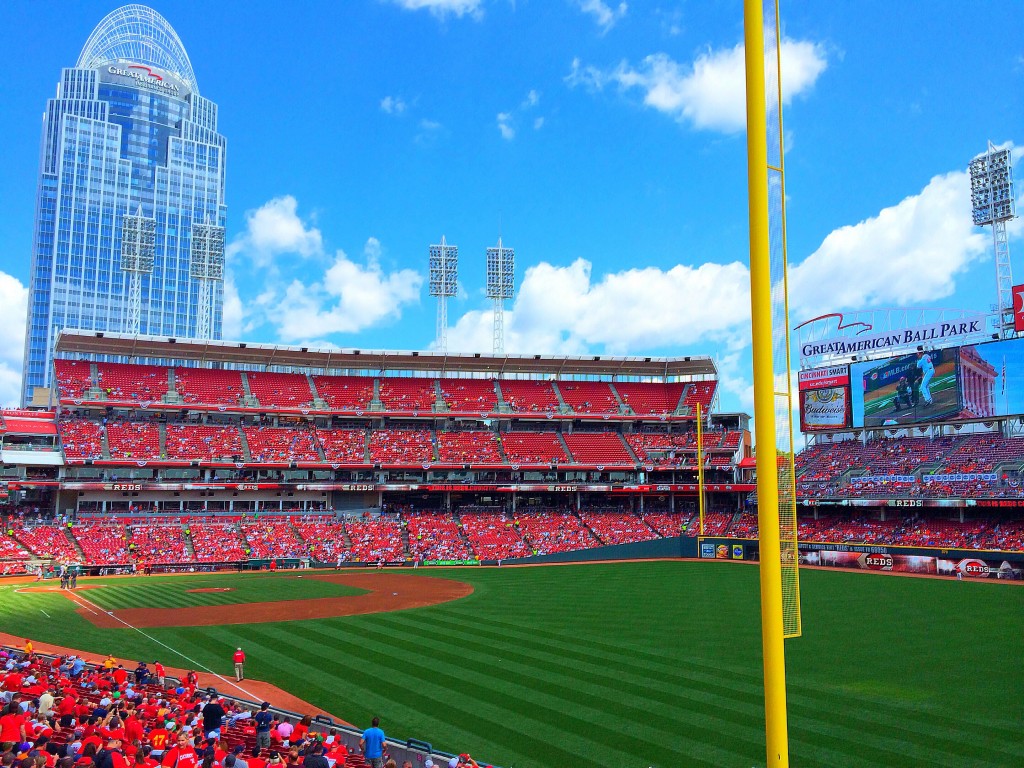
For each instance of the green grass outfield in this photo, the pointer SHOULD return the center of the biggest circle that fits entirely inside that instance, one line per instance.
(628, 665)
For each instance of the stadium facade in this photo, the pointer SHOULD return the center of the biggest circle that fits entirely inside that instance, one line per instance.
(128, 146)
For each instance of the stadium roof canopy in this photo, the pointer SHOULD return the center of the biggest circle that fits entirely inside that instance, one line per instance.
(240, 353)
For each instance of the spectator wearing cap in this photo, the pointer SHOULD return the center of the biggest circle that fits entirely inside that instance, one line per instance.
(315, 758)
(239, 659)
(238, 753)
(264, 719)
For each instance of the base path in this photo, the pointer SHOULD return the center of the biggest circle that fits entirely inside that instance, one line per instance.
(252, 690)
(386, 592)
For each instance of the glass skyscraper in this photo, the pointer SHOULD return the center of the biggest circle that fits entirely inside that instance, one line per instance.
(131, 161)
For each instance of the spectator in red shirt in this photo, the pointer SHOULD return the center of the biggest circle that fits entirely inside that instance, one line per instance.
(12, 724)
(239, 659)
(182, 755)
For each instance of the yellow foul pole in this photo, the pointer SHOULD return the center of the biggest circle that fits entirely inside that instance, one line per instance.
(776, 728)
(700, 466)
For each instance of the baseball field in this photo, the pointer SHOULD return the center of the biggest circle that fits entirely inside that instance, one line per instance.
(621, 665)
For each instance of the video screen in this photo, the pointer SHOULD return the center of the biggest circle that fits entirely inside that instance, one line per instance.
(992, 379)
(909, 389)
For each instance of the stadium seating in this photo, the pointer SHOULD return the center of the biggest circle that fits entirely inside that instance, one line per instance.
(589, 396)
(324, 537)
(345, 393)
(277, 445)
(613, 527)
(134, 383)
(435, 536)
(603, 448)
(533, 448)
(407, 395)
(401, 446)
(196, 442)
(343, 446)
(135, 440)
(492, 535)
(74, 378)
(216, 542)
(105, 543)
(81, 438)
(376, 539)
(158, 543)
(668, 523)
(47, 541)
(273, 536)
(649, 399)
(546, 531)
(529, 396)
(664, 450)
(11, 548)
(715, 524)
(280, 390)
(702, 392)
(207, 386)
(469, 447)
(469, 395)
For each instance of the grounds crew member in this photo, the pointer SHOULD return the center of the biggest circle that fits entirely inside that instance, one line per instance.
(239, 658)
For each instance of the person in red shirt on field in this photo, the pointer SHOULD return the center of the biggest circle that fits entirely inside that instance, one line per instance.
(182, 755)
(239, 659)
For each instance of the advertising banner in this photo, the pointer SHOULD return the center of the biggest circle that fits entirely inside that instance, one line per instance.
(869, 561)
(975, 568)
(824, 409)
(909, 389)
(820, 378)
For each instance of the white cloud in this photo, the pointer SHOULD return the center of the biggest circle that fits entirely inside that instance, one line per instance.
(393, 105)
(274, 229)
(234, 313)
(563, 310)
(910, 253)
(14, 300)
(349, 298)
(443, 8)
(605, 16)
(505, 127)
(508, 122)
(708, 93)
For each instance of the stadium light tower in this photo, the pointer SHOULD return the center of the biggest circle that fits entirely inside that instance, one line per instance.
(138, 249)
(501, 285)
(444, 278)
(207, 267)
(992, 205)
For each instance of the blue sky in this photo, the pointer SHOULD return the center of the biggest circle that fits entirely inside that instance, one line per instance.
(603, 140)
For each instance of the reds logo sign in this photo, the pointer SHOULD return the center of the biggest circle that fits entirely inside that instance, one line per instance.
(974, 568)
(878, 562)
(1018, 308)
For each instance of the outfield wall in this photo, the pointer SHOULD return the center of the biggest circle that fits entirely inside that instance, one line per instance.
(972, 563)
(673, 546)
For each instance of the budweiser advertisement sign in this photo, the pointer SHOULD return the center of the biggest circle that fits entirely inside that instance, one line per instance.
(825, 409)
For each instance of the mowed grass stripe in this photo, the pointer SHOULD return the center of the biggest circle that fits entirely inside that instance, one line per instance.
(586, 695)
(664, 675)
(590, 738)
(571, 679)
(397, 695)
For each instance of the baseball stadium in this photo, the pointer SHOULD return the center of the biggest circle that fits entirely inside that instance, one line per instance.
(273, 555)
